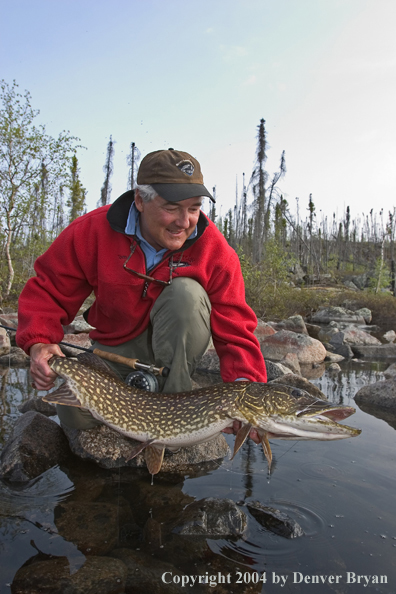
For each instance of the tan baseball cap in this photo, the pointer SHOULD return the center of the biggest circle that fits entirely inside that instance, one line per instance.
(174, 175)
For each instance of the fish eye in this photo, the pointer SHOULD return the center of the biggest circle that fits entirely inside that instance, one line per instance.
(297, 393)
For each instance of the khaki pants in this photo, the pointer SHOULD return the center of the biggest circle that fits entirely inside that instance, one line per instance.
(177, 337)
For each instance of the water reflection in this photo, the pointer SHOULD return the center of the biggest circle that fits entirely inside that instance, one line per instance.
(341, 494)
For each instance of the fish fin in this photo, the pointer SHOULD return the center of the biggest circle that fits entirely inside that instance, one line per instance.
(154, 456)
(63, 395)
(267, 449)
(241, 438)
(97, 364)
(138, 449)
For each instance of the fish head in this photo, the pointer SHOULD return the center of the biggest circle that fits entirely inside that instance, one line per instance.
(287, 412)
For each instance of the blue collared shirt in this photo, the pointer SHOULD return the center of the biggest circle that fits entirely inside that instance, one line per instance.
(133, 228)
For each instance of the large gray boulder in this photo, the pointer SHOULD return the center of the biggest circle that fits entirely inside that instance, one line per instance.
(355, 336)
(382, 351)
(379, 400)
(329, 314)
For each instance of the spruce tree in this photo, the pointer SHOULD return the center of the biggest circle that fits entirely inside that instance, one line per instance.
(76, 201)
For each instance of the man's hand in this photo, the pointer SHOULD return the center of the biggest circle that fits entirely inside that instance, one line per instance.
(42, 374)
(235, 428)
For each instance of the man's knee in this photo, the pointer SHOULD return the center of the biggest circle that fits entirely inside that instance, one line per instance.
(184, 302)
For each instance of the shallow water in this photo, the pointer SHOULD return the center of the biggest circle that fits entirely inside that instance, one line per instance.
(341, 493)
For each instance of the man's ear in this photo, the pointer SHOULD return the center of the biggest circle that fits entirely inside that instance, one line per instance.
(138, 201)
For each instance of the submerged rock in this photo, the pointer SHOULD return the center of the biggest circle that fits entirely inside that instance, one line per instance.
(99, 575)
(92, 526)
(36, 444)
(144, 575)
(214, 518)
(274, 520)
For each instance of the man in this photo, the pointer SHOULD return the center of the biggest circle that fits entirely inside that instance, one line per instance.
(165, 281)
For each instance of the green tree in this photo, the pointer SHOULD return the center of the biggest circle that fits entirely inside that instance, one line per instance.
(76, 201)
(29, 159)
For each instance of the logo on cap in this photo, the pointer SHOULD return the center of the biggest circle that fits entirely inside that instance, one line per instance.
(186, 167)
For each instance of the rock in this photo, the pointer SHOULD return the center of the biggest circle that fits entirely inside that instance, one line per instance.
(274, 520)
(5, 344)
(15, 358)
(263, 329)
(110, 449)
(382, 351)
(300, 382)
(80, 340)
(390, 372)
(99, 575)
(298, 274)
(79, 325)
(350, 285)
(290, 361)
(313, 330)
(344, 350)
(307, 349)
(9, 319)
(334, 367)
(275, 370)
(213, 518)
(339, 314)
(294, 324)
(327, 333)
(390, 336)
(379, 400)
(210, 361)
(365, 313)
(313, 371)
(37, 404)
(145, 576)
(36, 444)
(361, 280)
(333, 357)
(92, 526)
(355, 336)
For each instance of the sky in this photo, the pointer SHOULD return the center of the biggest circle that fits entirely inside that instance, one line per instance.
(199, 75)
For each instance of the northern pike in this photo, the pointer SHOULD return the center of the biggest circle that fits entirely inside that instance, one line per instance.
(184, 419)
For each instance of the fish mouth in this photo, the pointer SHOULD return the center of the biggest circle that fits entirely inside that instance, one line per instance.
(336, 413)
(314, 424)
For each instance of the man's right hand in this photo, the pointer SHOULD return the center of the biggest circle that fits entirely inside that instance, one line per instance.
(41, 372)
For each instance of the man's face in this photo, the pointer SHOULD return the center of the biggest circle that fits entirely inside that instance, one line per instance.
(167, 224)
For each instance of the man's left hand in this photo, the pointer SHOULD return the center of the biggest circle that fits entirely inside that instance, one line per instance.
(235, 428)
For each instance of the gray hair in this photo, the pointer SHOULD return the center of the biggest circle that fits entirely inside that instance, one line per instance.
(146, 192)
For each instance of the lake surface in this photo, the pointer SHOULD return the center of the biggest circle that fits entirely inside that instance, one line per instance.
(341, 493)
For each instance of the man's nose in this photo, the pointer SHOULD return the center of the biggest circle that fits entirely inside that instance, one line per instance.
(183, 220)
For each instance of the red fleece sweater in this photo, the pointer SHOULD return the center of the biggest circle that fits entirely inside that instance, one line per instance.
(89, 256)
